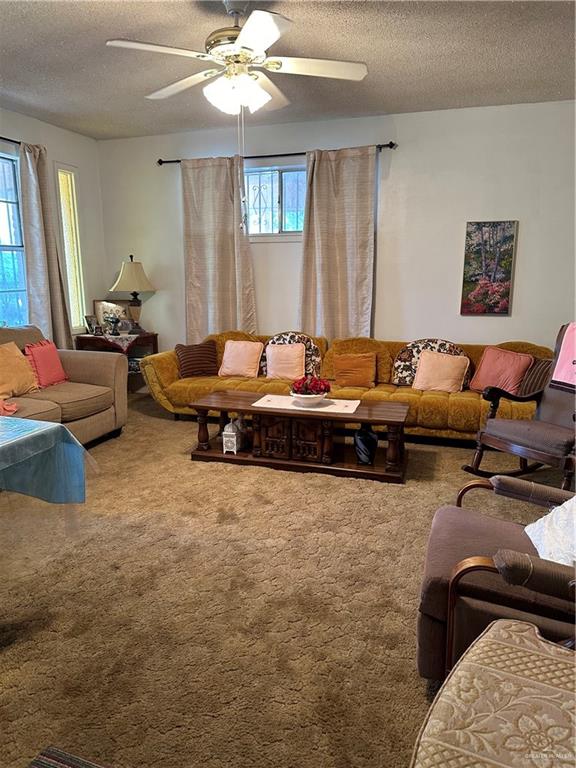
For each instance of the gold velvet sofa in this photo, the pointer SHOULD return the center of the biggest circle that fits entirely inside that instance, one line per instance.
(434, 414)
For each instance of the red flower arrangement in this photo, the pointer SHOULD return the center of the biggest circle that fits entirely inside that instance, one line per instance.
(310, 385)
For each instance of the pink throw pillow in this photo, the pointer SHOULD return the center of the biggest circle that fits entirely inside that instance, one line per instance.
(285, 361)
(501, 368)
(241, 358)
(439, 372)
(45, 361)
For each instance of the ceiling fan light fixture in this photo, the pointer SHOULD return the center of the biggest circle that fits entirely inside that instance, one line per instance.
(230, 93)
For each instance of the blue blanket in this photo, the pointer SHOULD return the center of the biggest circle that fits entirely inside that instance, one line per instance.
(41, 459)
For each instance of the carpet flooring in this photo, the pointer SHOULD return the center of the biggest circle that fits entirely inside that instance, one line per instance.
(212, 615)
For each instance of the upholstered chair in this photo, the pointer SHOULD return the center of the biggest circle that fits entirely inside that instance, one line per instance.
(480, 568)
(548, 439)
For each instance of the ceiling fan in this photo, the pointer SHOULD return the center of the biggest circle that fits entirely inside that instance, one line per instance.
(239, 62)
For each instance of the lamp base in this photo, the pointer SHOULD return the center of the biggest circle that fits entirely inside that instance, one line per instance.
(134, 311)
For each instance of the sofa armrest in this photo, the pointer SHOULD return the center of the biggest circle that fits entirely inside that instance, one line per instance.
(105, 369)
(461, 569)
(524, 490)
(537, 574)
(159, 372)
(165, 366)
(494, 394)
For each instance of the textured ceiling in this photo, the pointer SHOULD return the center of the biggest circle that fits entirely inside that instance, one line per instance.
(421, 56)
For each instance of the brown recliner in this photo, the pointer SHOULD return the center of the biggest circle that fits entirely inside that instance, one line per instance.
(462, 590)
(546, 440)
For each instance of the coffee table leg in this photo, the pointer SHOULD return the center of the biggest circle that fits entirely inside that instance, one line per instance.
(203, 436)
(327, 442)
(256, 446)
(395, 447)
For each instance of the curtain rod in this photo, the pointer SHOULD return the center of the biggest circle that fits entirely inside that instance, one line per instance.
(379, 147)
(12, 141)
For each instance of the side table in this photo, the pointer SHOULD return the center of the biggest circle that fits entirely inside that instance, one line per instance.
(133, 346)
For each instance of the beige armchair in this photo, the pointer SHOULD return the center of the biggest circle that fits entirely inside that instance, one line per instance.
(93, 403)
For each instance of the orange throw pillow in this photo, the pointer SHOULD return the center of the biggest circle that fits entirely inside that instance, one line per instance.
(501, 368)
(285, 361)
(241, 358)
(439, 372)
(45, 362)
(355, 370)
(16, 375)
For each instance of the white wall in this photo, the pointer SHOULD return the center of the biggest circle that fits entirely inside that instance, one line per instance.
(81, 153)
(452, 166)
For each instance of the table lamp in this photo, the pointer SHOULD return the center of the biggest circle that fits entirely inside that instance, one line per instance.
(134, 280)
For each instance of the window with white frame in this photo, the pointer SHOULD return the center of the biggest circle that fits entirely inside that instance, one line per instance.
(13, 294)
(275, 199)
(66, 178)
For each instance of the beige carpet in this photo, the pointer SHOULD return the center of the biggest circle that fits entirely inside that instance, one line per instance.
(209, 615)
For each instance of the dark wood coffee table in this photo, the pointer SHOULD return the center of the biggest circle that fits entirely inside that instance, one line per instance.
(304, 441)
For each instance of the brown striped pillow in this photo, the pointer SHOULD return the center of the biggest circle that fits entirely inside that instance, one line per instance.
(537, 376)
(197, 359)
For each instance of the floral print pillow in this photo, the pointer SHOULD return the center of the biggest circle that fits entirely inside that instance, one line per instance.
(406, 361)
(313, 358)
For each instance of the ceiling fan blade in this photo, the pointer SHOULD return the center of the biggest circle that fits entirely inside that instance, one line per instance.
(182, 85)
(341, 70)
(278, 99)
(261, 30)
(153, 48)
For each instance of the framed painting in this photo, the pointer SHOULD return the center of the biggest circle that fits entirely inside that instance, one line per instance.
(107, 311)
(488, 267)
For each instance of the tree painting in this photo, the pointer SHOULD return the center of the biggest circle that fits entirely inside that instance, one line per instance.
(488, 263)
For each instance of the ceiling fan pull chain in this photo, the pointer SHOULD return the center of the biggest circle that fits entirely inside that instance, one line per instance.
(240, 141)
(243, 134)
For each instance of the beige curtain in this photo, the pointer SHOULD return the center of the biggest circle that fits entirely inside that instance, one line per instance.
(44, 270)
(218, 262)
(338, 243)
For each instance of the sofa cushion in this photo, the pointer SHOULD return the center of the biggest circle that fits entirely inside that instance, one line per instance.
(16, 374)
(184, 391)
(24, 334)
(407, 359)
(313, 358)
(359, 346)
(76, 401)
(501, 368)
(241, 358)
(285, 361)
(533, 434)
(458, 533)
(31, 408)
(438, 372)
(44, 360)
(554, 535)
(355, 369)
(537, 377)
(220, 340)
(197, 359)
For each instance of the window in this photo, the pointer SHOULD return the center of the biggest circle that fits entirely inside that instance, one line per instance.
(13, 295)
(71, 243)
(275, 200)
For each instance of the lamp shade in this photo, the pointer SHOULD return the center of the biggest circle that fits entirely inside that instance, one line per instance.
(132, 278)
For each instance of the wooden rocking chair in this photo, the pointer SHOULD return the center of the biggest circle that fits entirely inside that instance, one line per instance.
(548, 439)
